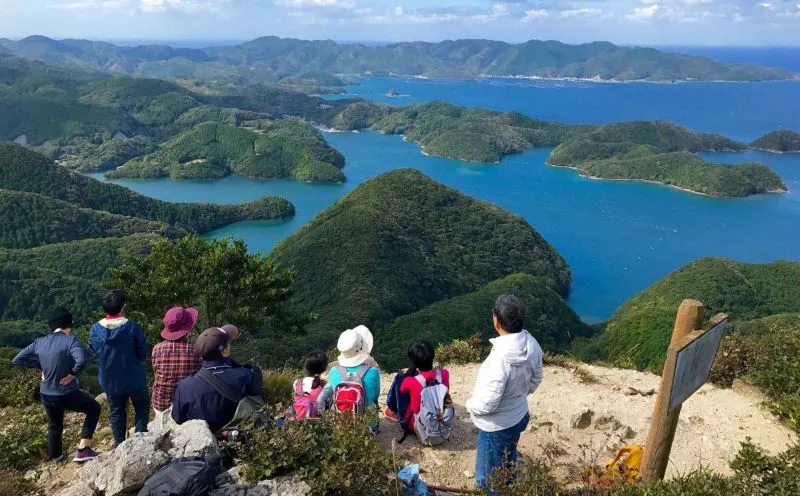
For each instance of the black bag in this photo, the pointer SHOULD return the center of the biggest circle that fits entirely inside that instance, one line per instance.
(188, 476)
(249, 409)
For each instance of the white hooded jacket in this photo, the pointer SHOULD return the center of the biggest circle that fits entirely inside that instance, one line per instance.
(511, 372)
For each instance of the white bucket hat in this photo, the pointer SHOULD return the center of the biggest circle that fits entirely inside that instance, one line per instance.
(354, 346)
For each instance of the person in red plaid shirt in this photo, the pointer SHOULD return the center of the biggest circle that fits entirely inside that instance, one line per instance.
(173, 359)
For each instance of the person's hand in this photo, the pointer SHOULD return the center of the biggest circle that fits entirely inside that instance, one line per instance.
(66, 379)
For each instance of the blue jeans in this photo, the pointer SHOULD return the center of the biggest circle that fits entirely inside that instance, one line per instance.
(497, 450)
(118, 412)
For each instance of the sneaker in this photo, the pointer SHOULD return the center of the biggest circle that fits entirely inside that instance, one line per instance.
(84, 455)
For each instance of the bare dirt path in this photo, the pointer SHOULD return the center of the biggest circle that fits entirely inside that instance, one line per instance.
(713, 423)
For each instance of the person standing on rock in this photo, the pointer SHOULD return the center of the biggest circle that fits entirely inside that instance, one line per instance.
(121, 349)
(61, 358)
(499, 401)
(174, 359)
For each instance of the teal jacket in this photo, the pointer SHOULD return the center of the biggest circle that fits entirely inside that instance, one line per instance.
(372, 382)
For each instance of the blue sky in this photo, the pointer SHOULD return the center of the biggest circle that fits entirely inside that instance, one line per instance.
(651, 22)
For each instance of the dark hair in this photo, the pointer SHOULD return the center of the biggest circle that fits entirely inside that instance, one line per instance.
(421, 355)
(212, 355)
(59, 318)
(316, 363)
(510, 312)
(114, 301)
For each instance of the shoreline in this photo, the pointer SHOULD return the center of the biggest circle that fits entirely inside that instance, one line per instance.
(586, 175)
(574, 79)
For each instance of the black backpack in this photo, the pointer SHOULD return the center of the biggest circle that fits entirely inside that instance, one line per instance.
(187, 476)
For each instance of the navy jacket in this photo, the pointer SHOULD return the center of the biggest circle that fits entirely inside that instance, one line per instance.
(121, 349)
(57, 355)
(195, 399)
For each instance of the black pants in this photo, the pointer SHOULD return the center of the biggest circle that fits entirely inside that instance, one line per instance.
(55, 406)
(118, 412)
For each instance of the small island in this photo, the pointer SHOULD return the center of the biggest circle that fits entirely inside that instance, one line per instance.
(781, 141)
(282, 149)
(392, 93)
(656, 151)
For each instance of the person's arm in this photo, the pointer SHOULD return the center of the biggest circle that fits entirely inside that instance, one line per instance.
(178, 415)
(324, 398)
(255, 387)
(27, 358)
(139, 343)
(79, 355)
(92, 339)
(488, 391)
(372, 386)
(538, 373)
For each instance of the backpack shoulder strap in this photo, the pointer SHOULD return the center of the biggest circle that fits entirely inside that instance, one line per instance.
(298, 387)
(217, 385)
(361, 372)
(421, 380)
(439, 376)
(343, 373)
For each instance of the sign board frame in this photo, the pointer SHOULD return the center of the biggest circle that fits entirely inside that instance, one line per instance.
(693, 364)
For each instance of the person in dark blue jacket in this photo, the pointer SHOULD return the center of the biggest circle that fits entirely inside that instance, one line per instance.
(196, 399)
(61, 358)
(121, 349)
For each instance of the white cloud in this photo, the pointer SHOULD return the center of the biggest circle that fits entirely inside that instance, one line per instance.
(93, 4)
(535, 15)
(299, 4)
(697, 2)
(585, 12)
(643, 13)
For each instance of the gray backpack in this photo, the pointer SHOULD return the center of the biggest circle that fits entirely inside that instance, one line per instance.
(434, 422)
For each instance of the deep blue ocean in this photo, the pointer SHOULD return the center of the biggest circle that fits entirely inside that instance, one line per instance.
(618, 236)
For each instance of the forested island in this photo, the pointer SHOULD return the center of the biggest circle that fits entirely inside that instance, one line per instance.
(304, 64)
(781, 141)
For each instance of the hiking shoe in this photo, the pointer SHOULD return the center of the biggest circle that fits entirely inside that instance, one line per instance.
(84, 455)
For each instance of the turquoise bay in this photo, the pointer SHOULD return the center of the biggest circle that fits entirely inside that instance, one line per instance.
(617, 236)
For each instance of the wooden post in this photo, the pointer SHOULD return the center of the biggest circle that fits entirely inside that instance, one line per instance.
(663, 424)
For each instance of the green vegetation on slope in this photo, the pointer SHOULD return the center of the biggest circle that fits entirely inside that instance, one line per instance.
(638, 334)
(399, 243)
(663, 152)
(784, 140)
(267, 58)
(287, 148)
(27, 171)
(549, 319)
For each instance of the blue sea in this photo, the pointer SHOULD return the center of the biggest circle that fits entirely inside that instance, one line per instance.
(618, 236)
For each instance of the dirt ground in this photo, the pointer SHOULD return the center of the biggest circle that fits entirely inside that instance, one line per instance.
(713, 422)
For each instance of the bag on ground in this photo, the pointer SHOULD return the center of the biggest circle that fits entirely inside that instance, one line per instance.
(304, 405)
(188, 476)
(398, 401)
(349, 395)
(434, 422)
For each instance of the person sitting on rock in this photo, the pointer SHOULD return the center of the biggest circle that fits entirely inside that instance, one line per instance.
(121, 348)
(312, 387)
(499, 401)
(355, 364)
(61, 358)
(196, 398)
(174, 359)
(421, 356)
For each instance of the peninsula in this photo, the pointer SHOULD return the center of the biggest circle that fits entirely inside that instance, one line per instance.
(781, 141)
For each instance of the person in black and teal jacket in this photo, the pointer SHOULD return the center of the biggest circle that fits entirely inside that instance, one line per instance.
(61, 358)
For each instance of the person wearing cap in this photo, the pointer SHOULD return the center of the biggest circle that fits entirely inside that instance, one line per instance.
(355, 346)
(173, 359)
(197, 399)
(61, 358)
(121, 349)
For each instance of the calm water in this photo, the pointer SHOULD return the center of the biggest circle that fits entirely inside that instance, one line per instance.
(618, 237)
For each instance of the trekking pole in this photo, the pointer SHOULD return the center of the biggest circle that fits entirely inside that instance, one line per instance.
(462, 490)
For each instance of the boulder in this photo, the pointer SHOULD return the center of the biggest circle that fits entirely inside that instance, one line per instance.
(127, 468)
(80, 488)
(282, 486)
(192, 438)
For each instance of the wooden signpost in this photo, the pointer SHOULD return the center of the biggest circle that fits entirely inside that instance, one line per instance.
(688, 364)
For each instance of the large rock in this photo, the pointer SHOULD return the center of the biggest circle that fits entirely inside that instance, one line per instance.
(282, 486)
(192, 438)
(127, 468)
(80, 488)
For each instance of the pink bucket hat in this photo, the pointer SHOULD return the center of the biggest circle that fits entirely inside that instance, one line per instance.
(178, 322)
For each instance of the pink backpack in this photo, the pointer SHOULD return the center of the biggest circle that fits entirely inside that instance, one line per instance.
(349, 395)
(305, 404)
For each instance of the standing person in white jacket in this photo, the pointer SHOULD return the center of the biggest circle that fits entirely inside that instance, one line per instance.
(499, 401)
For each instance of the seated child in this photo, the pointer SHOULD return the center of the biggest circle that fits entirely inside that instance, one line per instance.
(312, 387)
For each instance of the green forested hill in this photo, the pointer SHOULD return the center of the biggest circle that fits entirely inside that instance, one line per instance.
(784, 140)
(287, 148)
(554, 324)
(269, 57)
(27, 171)
(398, 243)
(639, 332)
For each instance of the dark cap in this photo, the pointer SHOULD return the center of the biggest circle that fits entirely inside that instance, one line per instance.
(59, 318)
(211, 342)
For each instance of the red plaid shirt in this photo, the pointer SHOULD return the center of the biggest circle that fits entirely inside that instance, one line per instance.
(172, 361)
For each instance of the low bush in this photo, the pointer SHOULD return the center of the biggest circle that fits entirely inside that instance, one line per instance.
(333, 455)
(462, 351)
(277, 385)
(23, 438)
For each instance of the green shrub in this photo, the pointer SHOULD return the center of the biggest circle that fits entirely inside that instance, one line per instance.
(23, 438)
(766, 474)
(277, 385)
(462, 351)
(333, 455)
